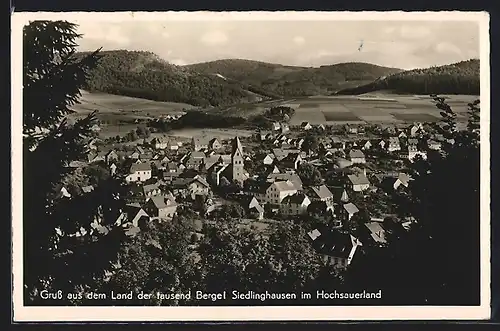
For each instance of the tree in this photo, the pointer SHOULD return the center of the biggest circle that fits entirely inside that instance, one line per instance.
(158, 259)
(310, 143)
(444, 199)
(54, 260)
(309, 174)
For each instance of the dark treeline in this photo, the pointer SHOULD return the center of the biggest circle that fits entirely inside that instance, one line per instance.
(145, 75)
(198, 119)
(458, 78)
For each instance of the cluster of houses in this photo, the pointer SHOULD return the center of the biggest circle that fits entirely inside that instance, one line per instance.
(164, 174)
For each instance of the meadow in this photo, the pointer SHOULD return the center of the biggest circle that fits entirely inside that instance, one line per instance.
(373, 108)
(117, 113)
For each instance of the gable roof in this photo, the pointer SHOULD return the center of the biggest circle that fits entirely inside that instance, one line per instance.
(359, 179)
(140, 167)
(350, 208)
(339, 193)
(356, 153)
(334, 243)
(319, 207)
(284, 186)
(404, 178)
(322, 192)
(377, 232)
(297, 198)
(201, 140)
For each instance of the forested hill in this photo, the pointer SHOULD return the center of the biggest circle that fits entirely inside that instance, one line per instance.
(145, 75)
(458, 78)
(290, 81)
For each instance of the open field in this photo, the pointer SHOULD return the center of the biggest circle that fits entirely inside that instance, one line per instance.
(214, 133)
(109, 103)
(373, 108)
(112, 109)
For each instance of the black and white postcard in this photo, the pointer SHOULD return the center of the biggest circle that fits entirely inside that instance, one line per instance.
(231, 166)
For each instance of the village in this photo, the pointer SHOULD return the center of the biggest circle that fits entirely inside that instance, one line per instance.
(337, 182)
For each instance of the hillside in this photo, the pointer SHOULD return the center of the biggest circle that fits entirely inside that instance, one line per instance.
(145, 75)
(291, 81)
(457, 78)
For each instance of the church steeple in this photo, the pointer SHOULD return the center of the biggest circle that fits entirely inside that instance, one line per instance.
(237, 160)
(237, 147)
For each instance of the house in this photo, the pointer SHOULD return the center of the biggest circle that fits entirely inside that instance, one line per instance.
(134, 155)
(324, 213)
(366, 145)
(276, 126)
(252, 207)
(402, 180)
(132, 214)
(348, 210)
(280, 154)
(356, 156)
(337, 248)
(286, 176)
(377, 232)
(273, 192)
(161, 207)
(358, 182)
(265, 135)
(195, 160)
(266, 159)
(139, 172)
(285, 128)
(291, 161)
(88, 189)
(295, 204)
(413, 152)
(402, 135)
(305, 126)
(216, 172)
(393, 144)
(191, 185)
(415, 129)
(200, 142)
(94, 157)
(111, 156)
(298, 142)
(159, 143)
(381, 144)
(146, 157)
(339, 194)
(433, 145)
(112, 169)
(412, 141)
(321, 193)
(214, 144)
(173, 145)
(338, 144)
(63, 193)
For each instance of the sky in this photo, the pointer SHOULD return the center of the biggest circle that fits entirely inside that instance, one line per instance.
(400, 44)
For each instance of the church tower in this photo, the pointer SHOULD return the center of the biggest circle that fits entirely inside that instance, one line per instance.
(237, 160)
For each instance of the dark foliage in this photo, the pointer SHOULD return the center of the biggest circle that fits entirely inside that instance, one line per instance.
(56, 260)
(457, 78)
(145, 75)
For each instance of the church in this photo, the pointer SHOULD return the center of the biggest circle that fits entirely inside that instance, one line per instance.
(233, 171)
